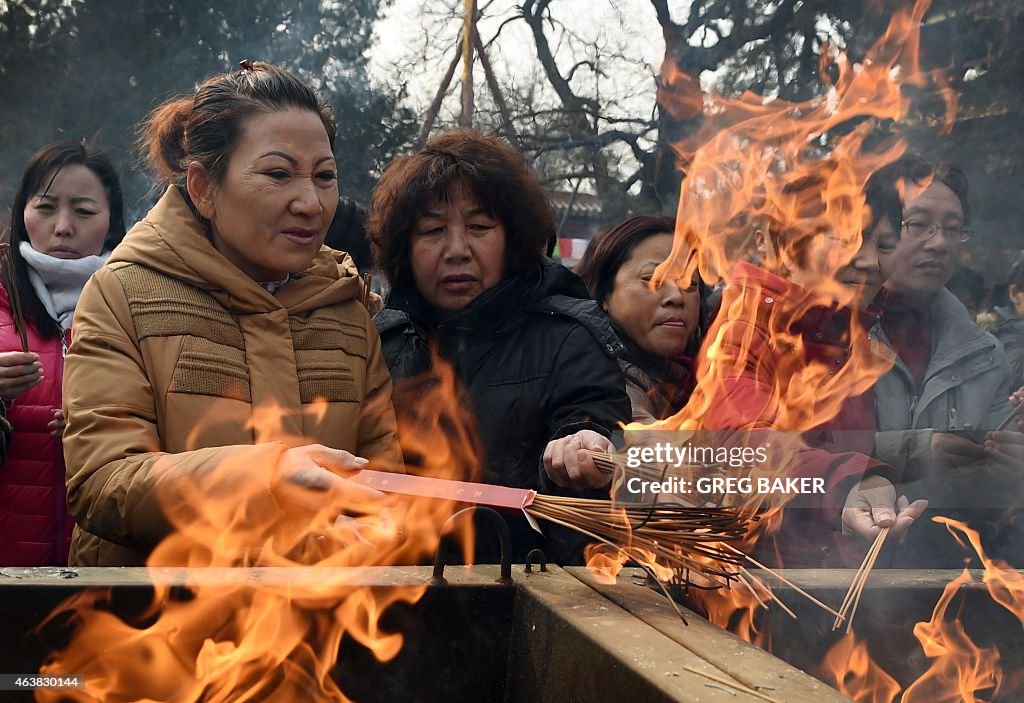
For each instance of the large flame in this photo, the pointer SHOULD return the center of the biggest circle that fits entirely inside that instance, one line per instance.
(740, 177)
(849, 668)
(801, 168)
(960, 669)
(233, 640)
(759, 164)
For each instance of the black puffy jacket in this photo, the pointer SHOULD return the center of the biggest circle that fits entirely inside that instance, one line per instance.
(536, 358)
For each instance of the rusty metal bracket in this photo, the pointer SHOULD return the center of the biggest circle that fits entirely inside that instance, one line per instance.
(535, 556)
(504, 538)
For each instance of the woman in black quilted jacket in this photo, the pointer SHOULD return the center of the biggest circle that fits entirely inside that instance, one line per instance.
(459, 228)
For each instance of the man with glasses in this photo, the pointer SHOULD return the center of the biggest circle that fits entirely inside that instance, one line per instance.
(951, 379)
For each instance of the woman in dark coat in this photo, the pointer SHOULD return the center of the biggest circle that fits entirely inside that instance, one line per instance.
(459, 229)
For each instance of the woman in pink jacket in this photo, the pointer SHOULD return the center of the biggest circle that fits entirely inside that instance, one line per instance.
(66, 218)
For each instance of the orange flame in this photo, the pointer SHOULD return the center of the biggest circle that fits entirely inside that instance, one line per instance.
(849, 668)
(793, 175)
(254, 640)
(960, 669)
(797, 170)
(604, 563)
(746, 175)
(735, 609)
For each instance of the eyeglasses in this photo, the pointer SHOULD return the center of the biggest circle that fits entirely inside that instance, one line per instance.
(925, 231)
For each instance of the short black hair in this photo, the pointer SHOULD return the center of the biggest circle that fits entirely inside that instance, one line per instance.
(915, 169)
(1016, 277)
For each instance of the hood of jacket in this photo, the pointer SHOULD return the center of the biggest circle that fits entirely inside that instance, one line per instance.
(171, 240)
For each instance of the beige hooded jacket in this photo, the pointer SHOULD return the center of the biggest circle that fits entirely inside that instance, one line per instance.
(177, 363)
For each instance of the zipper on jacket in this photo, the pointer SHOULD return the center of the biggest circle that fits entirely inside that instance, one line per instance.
(953, 420)
(913, 406)
(60, 488)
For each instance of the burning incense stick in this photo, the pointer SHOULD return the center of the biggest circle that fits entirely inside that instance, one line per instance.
(786, 581)
(770, 592)
(732, 684)
(852, 599)
(1009, 418)
(744, 572)
(10, 282)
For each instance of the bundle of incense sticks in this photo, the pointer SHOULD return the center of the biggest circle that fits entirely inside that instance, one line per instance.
(674, 536)
(680, 537)
(11, 284)
(849, 606)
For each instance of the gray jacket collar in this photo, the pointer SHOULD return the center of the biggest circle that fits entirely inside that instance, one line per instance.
(955, 337)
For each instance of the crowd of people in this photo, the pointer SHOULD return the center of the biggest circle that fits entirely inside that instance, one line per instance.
(152, 351)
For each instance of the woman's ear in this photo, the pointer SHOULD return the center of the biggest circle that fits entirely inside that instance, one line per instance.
(770, 258)
(761, 242)
(200, 188)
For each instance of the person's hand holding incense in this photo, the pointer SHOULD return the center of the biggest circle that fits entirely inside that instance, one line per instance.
(374, 303)
(317, 468)
(872, 505)
(568, 463)
(19, 371)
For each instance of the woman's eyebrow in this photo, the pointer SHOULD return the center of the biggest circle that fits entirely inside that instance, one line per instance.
(287, 157)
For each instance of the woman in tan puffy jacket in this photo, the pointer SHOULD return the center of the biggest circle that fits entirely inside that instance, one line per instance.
(221, 336)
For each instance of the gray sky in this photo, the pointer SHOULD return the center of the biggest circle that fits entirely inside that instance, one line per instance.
(626, 26)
